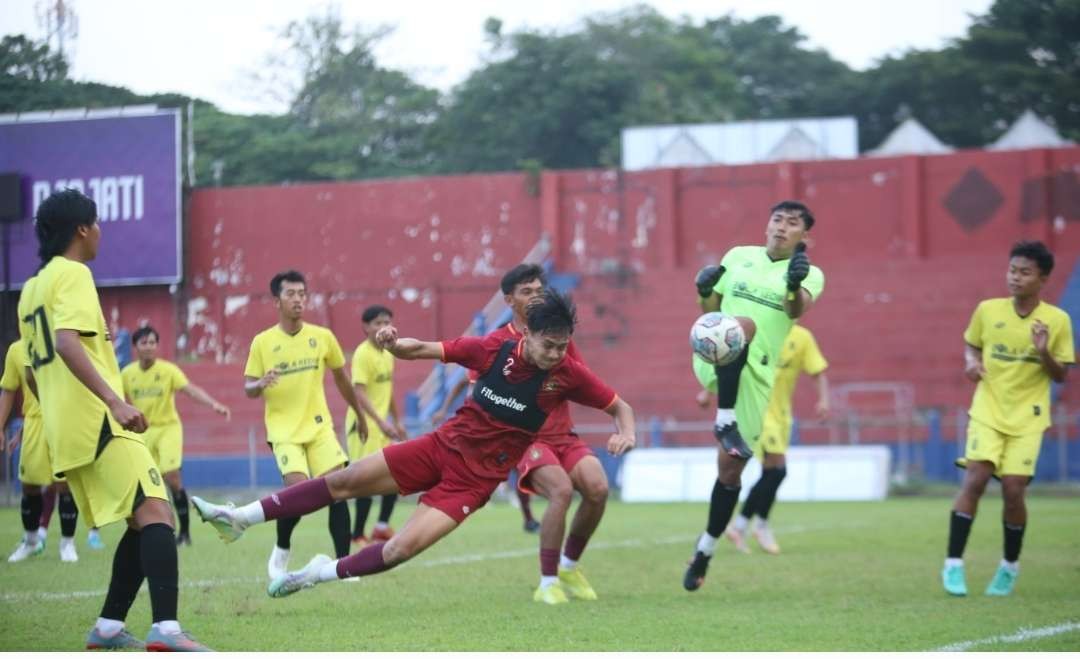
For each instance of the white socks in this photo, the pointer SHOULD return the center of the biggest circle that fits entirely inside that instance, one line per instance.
(167, 627)
(706, 544)
(954, 562)
(741, 523)
(108, 627)
(328, 572)
(250, 514)
(1013, 567)
(548, 581)
(724, 418)
(567, 564)
(42, 533)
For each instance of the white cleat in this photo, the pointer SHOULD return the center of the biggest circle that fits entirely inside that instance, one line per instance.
(764, 537)
(278, 565)
(737, 538)
(292, 582)
(26, 549)
(222, 518)
(67, 550)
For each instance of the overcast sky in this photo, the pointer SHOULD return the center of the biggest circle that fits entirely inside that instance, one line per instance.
(212, 49)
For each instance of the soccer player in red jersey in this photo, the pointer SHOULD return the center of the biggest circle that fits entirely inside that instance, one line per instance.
(555, 465)
(461, 463)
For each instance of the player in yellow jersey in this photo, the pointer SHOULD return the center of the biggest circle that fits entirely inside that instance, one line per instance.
(151, 384)
(1013, 348)
(35, 465)
(373, 379)
(93, 434)
(285, 367)
(800, 354)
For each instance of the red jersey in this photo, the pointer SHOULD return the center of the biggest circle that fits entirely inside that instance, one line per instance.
(492, 447)
(559, 426)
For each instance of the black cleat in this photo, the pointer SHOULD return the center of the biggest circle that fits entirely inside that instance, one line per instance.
(532, 526)
(732, 442)
(695, 571)
(183, 539)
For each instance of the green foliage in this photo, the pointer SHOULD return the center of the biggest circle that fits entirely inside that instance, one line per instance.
(852, 577)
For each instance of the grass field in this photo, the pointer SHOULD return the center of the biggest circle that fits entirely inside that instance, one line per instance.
(852, 577)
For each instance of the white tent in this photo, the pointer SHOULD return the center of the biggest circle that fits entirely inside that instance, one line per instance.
(1029, 132)
(910, 138)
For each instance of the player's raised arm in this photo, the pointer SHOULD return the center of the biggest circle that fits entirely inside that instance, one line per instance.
(407, 348)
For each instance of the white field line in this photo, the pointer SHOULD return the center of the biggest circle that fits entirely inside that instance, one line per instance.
(1020, 636)
(29, 596)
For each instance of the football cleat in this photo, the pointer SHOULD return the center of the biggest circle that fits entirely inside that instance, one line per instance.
(766, 541)
(731, 441)
(532, 526)
(360, 541)
(158, 641)
(952, 578)
(737, 538)
(1002, 583)
(222, 518)
(575, 585)
(552, 594)
(123, 640)
(183, 539)
(67, 550)
(695, 571)
(26, 549)
(93, 540)
(305, 577)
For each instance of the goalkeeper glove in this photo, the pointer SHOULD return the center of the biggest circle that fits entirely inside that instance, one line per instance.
(706, 279)
(798, 268)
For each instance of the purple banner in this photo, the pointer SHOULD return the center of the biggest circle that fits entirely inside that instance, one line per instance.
(129, 165)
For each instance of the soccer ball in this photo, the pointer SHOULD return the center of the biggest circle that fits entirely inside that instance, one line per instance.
(717, 338)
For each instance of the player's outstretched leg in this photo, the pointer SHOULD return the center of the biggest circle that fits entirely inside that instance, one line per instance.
(725, 495)
(426, 527)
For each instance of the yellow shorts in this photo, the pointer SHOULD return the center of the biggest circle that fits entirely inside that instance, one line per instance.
(111, 487)
(775, 436)
(313, 458)
(1012, 455)
(35, 458)
(166, 444)
(375, 442)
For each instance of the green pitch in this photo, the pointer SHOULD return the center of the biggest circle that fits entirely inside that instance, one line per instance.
(851, 577)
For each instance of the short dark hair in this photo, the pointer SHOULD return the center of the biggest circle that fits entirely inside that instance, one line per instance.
(57, 220)
(291, 276)
(789, 206)
(522, 274)
(553, 314)
(143, 332)
(374, 311)
(1037, 252)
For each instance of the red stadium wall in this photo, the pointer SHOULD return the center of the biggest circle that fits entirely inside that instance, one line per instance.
(908, 246)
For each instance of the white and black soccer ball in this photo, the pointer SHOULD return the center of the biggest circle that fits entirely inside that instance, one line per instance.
(717, 338)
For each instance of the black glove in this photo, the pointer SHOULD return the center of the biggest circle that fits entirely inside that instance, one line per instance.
(798, 267)
(706, 279)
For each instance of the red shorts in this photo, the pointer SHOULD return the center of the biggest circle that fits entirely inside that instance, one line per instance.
(566, 454)
(427, 465)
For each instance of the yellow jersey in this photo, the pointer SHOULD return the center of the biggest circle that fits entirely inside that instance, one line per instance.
(799, 354)
(153, 390)
(373, 368)
(296, 407)
(1014, 395)
(14, 378)
(62, 296)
